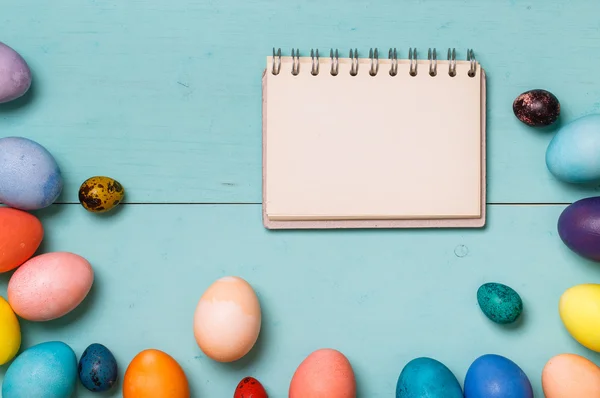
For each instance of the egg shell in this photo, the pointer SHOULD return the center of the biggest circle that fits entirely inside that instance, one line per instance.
(579, 309)
(15, 75)
(537, 108)
(579, 227)
(50, 286)
(500, 303)
(152, 374)
(570, 375)
(46, 370)
(572, 155)
(100, 194)
(227, 319)
(21, 234)
(325, 373)
(30, 178)
(249, 387)
(495, 376)
(10, 333)
(427, 377)
(98, 370)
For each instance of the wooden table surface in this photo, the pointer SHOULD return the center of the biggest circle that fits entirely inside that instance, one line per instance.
(165, 96)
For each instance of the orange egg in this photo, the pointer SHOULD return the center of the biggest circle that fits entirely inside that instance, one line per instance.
(155, 374)
(20, 236)
(326, 373)
(570, 376)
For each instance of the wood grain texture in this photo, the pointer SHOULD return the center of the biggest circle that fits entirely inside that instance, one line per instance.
(166, 96)
(381, 297)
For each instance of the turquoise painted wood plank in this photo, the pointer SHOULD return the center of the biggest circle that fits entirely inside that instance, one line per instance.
(165, 96)
(381, 297)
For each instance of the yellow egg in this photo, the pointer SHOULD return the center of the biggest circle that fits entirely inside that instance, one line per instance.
(10, 333)
(570, 376)
(100, 194)
(579, 309)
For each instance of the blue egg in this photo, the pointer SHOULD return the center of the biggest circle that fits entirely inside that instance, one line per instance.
(573, 155)
(427, 377)
(30, 178)
(98, 369)
(494, 376)
(46, 370)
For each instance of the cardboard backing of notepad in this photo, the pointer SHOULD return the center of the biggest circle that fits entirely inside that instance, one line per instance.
(380, 223)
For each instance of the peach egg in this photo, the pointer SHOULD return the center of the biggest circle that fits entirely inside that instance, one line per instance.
(326, 373)
(227, 320)
(570, 376)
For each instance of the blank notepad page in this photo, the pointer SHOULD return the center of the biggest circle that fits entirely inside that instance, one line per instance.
(372, 147)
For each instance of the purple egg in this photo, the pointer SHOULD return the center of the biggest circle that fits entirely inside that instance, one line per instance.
(15, 75)
(579, 227)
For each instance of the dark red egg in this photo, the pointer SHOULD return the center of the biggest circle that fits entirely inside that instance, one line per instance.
(249, 387)
(537, 108)
(579, 227)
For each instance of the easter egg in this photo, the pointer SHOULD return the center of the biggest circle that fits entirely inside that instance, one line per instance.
(97, 368)
(30, 178)
(21, 234)
(579, 309)
(427, 377)
(573, 153)
(46, 370)
(325, 373)
(579, 227)
(10, 333)
(494, 376)
(500, 303)
(15, 75)
(537, 108)
(570, 375)
(155, 374)
(100, 194)
(249, 387)
(227, 319)
(50, 286)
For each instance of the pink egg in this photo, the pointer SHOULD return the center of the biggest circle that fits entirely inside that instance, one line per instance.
(50, 286)
(570, 376)
(326, 373)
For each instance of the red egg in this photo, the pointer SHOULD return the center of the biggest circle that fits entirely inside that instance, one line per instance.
(249, 387)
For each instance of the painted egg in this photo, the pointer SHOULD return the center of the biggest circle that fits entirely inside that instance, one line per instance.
(537, 108)
(153, 373)
(100, 194)
(249, 387)
(579, 309)
(10, 333)
(572, 155)
(494, 376)
(579, 227)
(326, 373)
(30, 178)
(46, 370)
(21, 234)
(15, 75)
(427, 377)
(570, 375)
(500, 303)
(98, 369)
(227, 319)
(50, 286)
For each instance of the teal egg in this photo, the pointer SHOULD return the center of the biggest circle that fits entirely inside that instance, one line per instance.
(427, 377)
(573, 155)
(499, 302)
(46, 370)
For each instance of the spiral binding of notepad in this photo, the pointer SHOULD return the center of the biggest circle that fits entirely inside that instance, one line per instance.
(374, 62)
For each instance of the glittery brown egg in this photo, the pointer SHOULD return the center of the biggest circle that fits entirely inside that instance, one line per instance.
(537, 108)
(100, 194)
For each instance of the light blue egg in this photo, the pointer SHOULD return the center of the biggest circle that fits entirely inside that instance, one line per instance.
(46, 370)
(573, 155)
(427, 377)
(30, 178)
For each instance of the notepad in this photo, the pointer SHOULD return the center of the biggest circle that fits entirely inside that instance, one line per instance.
(373, 142)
